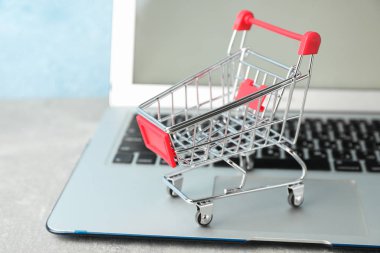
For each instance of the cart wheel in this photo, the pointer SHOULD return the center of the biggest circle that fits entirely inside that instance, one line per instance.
(203, 221)
(176, 181)
(295, 201)
(171, 193)
(246, 162)
(295, 194)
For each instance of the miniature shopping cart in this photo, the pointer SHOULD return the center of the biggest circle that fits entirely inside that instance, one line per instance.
(233, 108)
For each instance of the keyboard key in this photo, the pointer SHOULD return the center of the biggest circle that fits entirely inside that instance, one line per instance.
(373, 165)
(123, 158)
(307, 144)
(317, 160)
(347, 165)
(329, 144)
(275, 163)
(133, 128)
(342, 155)
(377, 146)
(365, 155)
(348, 144)
(162, 162)
(132, 145)
(271, 159)
(138, 139)
(146, 158)
(270, 153)
(318, 154)
(362, 126)
(317, 164)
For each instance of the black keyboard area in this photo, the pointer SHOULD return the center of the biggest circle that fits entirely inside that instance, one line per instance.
(351, 145)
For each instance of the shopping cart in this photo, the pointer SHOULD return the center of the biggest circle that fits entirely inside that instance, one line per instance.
(241, 104)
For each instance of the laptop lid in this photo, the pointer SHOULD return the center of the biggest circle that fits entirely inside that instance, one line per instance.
(157, 43)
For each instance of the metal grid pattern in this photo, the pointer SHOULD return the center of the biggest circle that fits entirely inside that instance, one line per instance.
(215, 125)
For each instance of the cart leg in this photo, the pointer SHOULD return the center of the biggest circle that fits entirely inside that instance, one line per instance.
(296, 157)
(295, 194)
(176, 181)
(204, 215)
(243, 177)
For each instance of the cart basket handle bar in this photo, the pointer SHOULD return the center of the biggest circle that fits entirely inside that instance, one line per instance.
(310, 41)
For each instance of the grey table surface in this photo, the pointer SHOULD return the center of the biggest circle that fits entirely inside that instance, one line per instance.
(40, 142)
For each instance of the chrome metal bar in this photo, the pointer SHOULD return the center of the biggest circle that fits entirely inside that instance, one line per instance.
(247, 72)
(210, 89)
(257, 112)
(238, 74)
(262, 70)
(271, 117)
(193, 148)
(231, 42)
(209, 139)
(296, 157)
(256, 77)
(264, 78)
(229, 82)
(197, 91)
(289, 100)
(158, 110)
(244, 122)
(243, 39)
(239, 169)
(172, 111)
(186, 106)
(278, 64)
(304, 99)
(226, 131)
(270, 98)
(223, 84)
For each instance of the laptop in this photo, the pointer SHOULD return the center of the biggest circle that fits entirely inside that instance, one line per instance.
(117, 186)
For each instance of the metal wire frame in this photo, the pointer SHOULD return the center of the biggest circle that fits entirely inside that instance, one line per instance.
(208, 128)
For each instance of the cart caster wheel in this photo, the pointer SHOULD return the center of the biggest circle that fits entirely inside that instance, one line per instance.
(203, 216)
(203, 220)
(293, 201)
(176, 181)
(295, 195)
(171, 193)
(246, 162)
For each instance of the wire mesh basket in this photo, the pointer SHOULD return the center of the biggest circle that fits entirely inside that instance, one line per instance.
(233, 108)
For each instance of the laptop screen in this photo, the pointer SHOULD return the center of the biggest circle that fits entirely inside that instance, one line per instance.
(177, 38)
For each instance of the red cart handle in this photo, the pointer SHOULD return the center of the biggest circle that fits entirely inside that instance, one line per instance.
(310, 41)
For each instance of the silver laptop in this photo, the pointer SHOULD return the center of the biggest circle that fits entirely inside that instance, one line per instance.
(117, 186)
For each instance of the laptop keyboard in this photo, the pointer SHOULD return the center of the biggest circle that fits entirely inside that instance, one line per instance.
(325, 145)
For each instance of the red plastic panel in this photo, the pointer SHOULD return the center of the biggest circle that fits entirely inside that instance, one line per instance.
(157, 140)
(309, 43)
(246, 88)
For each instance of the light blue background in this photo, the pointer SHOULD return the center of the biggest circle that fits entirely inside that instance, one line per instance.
(51, 48)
